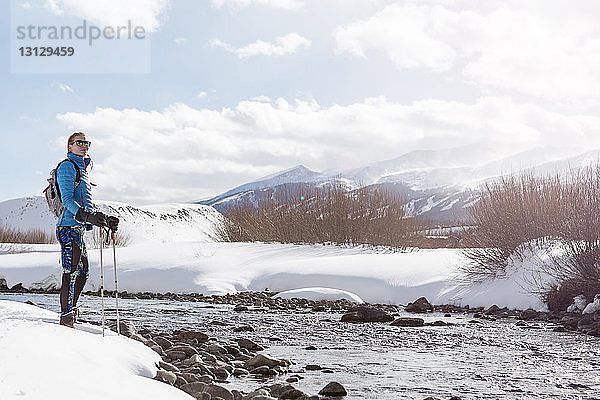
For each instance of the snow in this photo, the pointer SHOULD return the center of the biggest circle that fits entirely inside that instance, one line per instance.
(374, 275)
(46, 361)
(465, 167)
(518, 288)
(165, 222)
(430, 204)
(320, 293)
(173, 249)
(579, 304)
(450, 205)
(296, 174)
(153, 223)
(593, 306)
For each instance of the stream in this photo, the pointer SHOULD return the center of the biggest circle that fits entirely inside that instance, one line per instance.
(485, 360)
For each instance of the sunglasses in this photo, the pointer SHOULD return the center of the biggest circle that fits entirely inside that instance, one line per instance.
(81, 143)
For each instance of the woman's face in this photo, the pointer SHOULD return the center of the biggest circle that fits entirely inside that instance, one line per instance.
(80, 146)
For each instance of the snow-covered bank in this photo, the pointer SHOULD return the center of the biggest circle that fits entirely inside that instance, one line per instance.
(153, 223)
(43, 360)
(319, 293)
(218, 268)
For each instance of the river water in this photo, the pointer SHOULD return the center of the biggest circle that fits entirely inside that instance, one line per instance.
(487, 360)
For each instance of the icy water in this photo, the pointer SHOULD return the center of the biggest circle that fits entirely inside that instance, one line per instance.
(489, 360)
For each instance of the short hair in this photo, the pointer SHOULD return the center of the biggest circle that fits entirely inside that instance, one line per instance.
(71, 139)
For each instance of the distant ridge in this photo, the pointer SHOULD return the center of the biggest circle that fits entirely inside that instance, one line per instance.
(437, 184)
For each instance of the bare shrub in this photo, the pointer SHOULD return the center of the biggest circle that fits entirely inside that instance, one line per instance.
(558, 298)
(579, 271)
(519, 213)
(31, 236)
(330, 214)
(513, 211)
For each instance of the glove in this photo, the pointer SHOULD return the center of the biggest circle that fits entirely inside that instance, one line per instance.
(112, 222)
(94, 218)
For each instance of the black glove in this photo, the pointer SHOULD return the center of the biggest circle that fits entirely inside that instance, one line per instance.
(112, 222)
(94, 218)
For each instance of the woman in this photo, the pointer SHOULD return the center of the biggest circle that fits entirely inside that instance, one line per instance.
(76, 217)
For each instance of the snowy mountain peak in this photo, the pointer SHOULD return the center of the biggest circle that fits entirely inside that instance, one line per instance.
(295, 174)
(299, 173)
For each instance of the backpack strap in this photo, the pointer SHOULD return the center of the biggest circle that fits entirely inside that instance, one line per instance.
(78, 176)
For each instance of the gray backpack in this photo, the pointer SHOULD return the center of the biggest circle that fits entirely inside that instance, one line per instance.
(52, 192)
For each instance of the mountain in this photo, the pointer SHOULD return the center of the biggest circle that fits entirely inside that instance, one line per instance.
(437, 185)
(589, 158)
(163, 223)
(297, 174)
(466, 166)
(421, 162)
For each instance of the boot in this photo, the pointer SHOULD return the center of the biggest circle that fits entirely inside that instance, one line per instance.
(75, 315)
(68, 319)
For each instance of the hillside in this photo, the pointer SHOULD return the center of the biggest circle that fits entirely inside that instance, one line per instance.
(155, 223)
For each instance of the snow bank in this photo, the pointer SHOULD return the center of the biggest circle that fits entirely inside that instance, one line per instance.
(319, 293)
(165, 222)
(579, 304)
(43, 360)
(593, 306)
(173, 250)
(153, 223)
(517, 289)
(219, 268)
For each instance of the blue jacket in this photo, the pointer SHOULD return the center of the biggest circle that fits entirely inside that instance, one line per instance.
(73, 198)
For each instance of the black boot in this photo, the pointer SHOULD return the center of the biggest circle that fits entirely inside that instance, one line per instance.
(68, 319)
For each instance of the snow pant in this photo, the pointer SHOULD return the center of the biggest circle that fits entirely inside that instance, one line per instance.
(75, 268)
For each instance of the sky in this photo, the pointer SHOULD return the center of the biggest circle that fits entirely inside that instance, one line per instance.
(237, 89)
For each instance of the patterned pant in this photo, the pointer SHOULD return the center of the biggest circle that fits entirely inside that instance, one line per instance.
(74, 265)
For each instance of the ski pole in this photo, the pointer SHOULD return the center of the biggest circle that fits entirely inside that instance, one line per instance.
(116, 287)
(102, 278)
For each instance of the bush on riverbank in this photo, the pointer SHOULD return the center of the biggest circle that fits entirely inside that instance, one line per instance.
(328, 214)
(31, 236)
(516, 213)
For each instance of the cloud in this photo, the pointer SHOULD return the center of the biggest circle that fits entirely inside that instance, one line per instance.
(544, 49)
(146, 13)
(180, 40)
(202, 95)
(182, 153)
(28, 118)
(285, 4)
(404, 34)
(283, 45)
(219, 43)
(63, 87)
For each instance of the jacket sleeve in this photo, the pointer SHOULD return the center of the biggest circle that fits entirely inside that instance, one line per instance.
(66, 174)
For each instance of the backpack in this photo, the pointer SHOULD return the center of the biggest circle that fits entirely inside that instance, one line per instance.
(52, 192)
